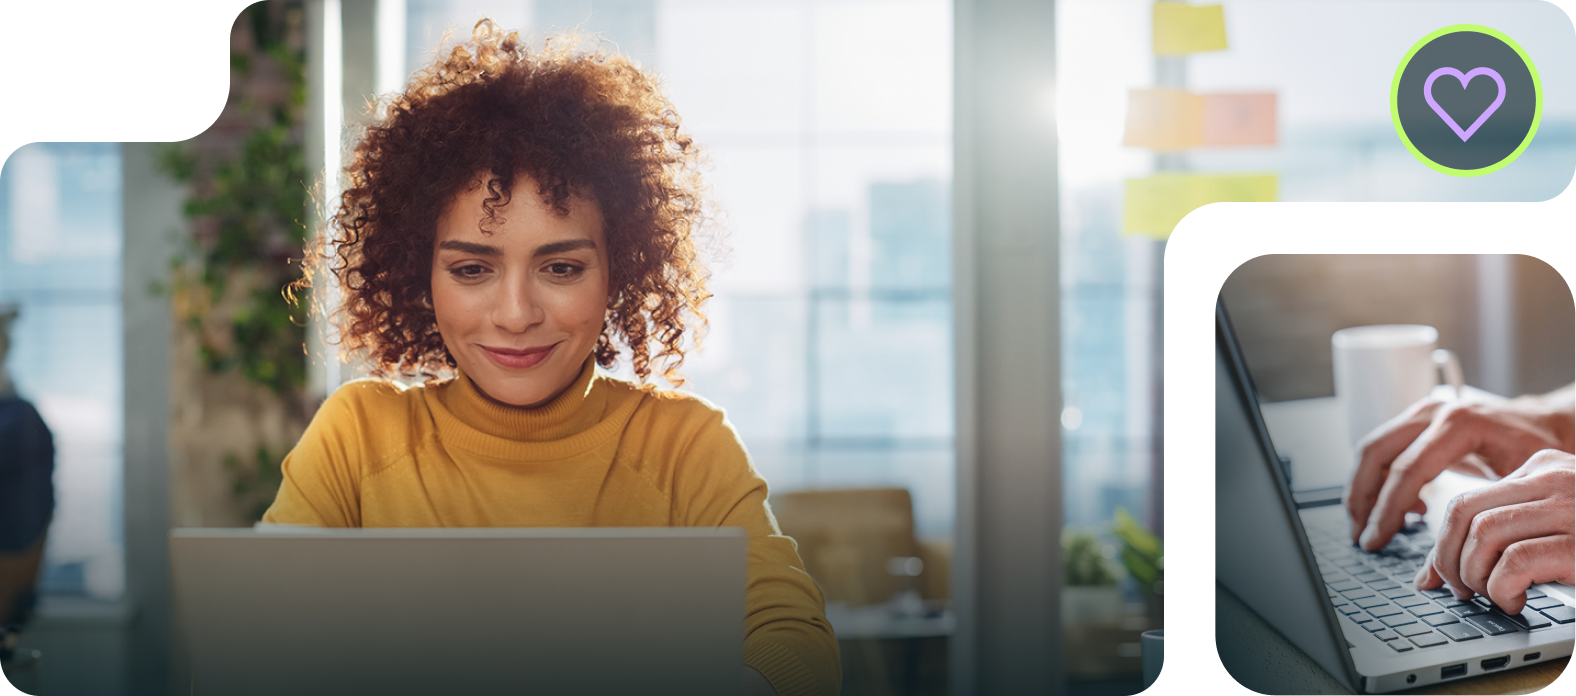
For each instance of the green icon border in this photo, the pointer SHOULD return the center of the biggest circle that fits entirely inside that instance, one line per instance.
(1537, 112)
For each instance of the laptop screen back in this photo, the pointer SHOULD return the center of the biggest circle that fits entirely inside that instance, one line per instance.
(462, 611)
(1261, 553)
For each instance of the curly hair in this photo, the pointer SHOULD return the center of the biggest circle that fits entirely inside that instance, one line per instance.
(575, 122)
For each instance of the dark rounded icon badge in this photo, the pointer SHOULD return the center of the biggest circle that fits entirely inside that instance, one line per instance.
(1466, 100)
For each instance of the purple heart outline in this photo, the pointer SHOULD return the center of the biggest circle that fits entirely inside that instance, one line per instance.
(1428, 94)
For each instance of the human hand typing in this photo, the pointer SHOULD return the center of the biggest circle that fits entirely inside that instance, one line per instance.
(1488, 440)
(1500, 539)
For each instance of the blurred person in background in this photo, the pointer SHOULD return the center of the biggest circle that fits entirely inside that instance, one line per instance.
(27, 494)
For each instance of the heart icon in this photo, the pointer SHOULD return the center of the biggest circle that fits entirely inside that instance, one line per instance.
(1428, 94)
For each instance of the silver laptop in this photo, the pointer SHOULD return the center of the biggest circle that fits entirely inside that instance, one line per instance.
(1354, 613)
(462, 611)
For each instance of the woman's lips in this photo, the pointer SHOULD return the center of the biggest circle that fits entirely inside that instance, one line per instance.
(518, 359)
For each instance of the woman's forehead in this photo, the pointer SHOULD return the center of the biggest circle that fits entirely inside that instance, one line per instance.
(523, 216)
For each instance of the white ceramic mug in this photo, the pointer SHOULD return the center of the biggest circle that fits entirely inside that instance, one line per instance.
(1380, 370)
(1152, 646)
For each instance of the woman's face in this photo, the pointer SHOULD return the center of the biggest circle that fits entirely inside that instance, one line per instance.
(522, 307)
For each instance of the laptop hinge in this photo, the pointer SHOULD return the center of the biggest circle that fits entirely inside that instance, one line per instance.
(1317, 497)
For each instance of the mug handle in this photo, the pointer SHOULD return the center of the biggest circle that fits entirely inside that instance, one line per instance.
(1446, 362)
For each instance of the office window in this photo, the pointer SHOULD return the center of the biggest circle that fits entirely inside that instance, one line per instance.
(1110, 283)
(60, 263)
(828, 129)
(1335, 143)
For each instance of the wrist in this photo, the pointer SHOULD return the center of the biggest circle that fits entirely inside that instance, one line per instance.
(1556, 411)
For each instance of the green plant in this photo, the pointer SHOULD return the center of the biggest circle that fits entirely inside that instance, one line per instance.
(248, 207)
(1143, 553)
(1083, 560)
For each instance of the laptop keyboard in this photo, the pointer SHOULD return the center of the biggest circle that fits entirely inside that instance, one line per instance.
(1375, 591)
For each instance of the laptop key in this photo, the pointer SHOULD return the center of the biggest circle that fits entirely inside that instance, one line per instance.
(1468, 609)
(1529, 619)
(1369, 576)
(1437, 593)
(1369, 602)
(1412, 601)
(1384, 610)
(1427, 640)
(1345, 585)
(1423, 610)
(1492, 624)
(1534, 594)
(1357, 593)
(1560, 614)
(1541, 603)
(1416, 629)
(1348, 609)
(1437, 620)
(1459, 632)
(1373, 626)
(1399, 645)
(1384, 585)
(1386, 635)
(1452, 602)
(1398, 620)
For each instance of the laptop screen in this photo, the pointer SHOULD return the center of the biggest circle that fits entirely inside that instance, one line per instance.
(1261, 552)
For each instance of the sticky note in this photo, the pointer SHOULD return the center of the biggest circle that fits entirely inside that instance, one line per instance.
(1154, 205)
(1172, 119)
(1164, 119)
(1180, 28)
(1238, 120)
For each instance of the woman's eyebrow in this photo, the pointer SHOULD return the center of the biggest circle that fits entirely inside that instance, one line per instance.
(490, 250)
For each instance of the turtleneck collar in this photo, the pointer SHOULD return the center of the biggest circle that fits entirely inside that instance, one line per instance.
(576, 410)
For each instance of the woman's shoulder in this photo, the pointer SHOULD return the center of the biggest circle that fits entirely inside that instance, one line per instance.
(657, 399)
(373, 393)
(668, 406)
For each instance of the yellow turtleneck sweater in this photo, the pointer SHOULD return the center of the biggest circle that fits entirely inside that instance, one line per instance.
(605, 453)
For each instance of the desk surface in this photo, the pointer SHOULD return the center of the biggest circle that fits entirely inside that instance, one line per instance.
(1256, 655)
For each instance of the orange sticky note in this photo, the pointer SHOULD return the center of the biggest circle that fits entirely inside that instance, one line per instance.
(1238, 119)
(1164, 119)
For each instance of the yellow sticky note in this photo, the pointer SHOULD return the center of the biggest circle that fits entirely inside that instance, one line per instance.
(1163, 119)
(1238, 119)
(1182, 28)
(1154, 205)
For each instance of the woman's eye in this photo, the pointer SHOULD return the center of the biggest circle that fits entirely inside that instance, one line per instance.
(561, 270)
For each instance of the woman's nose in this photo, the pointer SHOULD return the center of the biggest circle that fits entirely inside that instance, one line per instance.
(518, 309)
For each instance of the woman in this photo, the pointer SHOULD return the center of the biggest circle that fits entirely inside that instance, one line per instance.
(519, 218)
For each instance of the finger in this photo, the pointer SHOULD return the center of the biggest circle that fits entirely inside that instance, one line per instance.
(1525, 563)
(1451, 436)
(1420, 507)
(1427, 578)
(1480, 525)
(1375, 456)
(1474, 465)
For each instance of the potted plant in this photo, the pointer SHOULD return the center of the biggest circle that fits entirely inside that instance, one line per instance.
(1090, 595)
(1143, 555)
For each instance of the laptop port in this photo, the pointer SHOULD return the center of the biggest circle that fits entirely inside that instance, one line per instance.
(1532, 656)
(1496, 662)
(1453, 671)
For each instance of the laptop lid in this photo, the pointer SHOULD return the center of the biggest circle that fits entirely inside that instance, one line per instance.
(1262, 554)
(473, 611)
